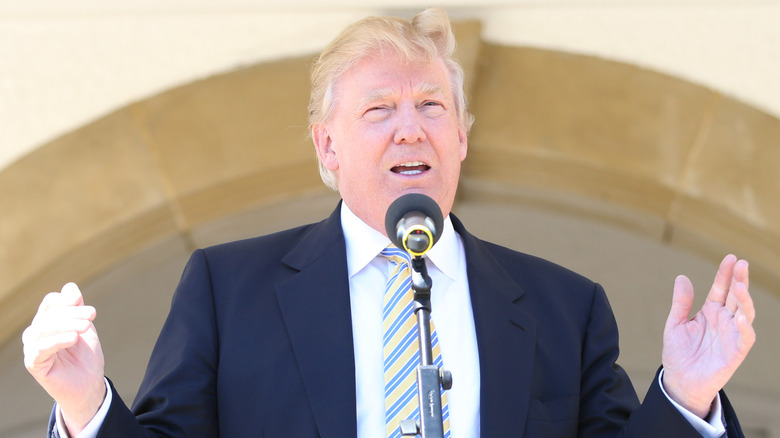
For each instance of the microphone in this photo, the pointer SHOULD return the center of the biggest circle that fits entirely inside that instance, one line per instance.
(414, 223)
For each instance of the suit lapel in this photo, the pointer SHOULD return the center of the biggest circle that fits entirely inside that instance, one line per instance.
(316, 311)
(506, 338)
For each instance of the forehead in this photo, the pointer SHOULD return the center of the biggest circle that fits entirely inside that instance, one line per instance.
(381, 76)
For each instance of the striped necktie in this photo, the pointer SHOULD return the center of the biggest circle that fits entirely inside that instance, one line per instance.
(401, 352)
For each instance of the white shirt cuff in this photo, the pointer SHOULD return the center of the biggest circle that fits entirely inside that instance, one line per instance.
(712, 426)
(92, 428)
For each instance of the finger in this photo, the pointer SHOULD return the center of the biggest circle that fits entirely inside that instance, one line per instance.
(745, 306)
(722, 282)
(740, 276)
(682, 301)
(55, 315)
(731, 299)
(52, 299)
(70, 295)
(747, 335)
(742, 272)
(57, 326)
(37, 336)
(40, 355)
(69, 312)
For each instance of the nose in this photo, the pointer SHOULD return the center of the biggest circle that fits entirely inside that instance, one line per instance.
(409, 127)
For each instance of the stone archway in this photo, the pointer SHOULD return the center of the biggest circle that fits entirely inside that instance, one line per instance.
(598, 142)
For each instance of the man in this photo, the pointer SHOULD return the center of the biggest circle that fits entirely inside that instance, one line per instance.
(281, 335)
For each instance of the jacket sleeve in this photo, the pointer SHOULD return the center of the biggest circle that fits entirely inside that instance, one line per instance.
(51, 428)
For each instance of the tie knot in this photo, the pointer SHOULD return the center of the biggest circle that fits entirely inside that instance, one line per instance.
(397, 256)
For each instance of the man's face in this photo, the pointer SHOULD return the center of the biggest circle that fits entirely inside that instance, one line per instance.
(394, 130)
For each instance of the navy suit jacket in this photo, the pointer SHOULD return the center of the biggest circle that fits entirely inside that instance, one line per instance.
(258, 343)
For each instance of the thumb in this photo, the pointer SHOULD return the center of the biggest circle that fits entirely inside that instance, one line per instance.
(72, 294)
(682, 301)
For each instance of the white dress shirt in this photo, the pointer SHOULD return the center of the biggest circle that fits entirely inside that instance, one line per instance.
(450, 312)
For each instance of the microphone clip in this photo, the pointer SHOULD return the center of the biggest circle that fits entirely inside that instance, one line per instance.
(421, 281)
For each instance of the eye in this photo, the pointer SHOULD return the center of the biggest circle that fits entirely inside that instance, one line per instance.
(376, 113)
(432, 108)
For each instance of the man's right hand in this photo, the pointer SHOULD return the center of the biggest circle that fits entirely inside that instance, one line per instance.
(62, 352)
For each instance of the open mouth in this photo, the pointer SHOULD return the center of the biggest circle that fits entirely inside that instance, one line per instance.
(411, 168)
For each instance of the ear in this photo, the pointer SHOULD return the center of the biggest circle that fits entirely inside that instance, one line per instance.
(463, 140)
(324, 146)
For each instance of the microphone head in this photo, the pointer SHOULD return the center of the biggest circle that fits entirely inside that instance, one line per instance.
(408, 220)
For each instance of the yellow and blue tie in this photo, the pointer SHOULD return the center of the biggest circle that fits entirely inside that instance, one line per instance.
(401, 353)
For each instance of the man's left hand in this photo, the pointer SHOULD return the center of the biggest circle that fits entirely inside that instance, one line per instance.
(700, 354)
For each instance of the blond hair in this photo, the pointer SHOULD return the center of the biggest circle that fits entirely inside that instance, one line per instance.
(426, 37)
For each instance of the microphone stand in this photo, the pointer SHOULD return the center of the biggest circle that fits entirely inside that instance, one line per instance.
(429, 380)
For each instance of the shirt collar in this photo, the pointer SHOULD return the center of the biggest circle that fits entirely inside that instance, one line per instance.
(364, 244)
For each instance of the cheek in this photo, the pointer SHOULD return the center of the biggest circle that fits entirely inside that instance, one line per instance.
(356, 165)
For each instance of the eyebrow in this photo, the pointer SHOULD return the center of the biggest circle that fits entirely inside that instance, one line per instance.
(429, 88)
(425, 88)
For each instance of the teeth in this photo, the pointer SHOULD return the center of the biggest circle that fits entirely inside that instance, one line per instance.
(412, 164)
